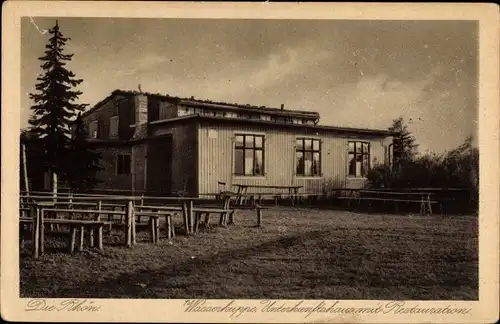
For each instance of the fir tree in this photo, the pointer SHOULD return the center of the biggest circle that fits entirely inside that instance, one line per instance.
(404, 146)
(84, 161)
(54, 107)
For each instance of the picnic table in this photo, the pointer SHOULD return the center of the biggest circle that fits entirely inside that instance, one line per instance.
(242, 190)
(185, 202)
(37, 221)
(424, 198)
(232, 202)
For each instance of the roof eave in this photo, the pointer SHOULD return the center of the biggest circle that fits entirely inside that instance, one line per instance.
(269, 123)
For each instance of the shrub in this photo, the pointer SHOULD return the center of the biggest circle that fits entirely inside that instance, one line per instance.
(458, 168)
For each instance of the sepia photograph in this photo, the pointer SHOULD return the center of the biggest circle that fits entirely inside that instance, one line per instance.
(213, 160)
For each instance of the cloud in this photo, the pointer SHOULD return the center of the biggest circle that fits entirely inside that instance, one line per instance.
(274, 69)
(437, 113)
(373, 101)
(142, 64)
(236, 79)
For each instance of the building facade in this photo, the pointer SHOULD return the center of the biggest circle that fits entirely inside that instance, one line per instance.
(159, 144)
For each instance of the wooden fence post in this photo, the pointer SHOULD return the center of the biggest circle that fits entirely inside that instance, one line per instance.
(157, 228)
(92, 238)
(185, 216)
(128, 221)
(134, 240)
(99, 238)
(152, 229)
(25, 170)
(168, 223)
(72, 240)
(221, 219)
(42, 230)
(191, 216)
(71, 215)
(35, 214)
(82, 236)
(197, 220)
(429, 205)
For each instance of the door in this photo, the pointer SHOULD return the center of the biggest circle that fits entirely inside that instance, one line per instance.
(159, 166)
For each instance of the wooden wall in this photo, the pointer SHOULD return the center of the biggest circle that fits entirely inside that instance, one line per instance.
(117, 106)
(216, 154)
(184, 154)
(108, 177)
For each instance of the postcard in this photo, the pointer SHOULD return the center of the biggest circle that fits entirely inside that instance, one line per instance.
(250, 162)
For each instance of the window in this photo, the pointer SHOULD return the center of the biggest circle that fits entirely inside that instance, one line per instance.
(165, 111)
(308, 157)
(153, 109)
(359, 158)
(113, 127)
(132, 115)
(249, 155)
(181, 111)
(123, 164)
(93, 129)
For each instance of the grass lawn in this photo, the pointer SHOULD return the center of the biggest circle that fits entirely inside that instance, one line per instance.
(299, 254)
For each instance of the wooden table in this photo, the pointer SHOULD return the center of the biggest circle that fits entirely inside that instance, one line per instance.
(243, 190)
(186, 202)
(424, 198)
(187, 210)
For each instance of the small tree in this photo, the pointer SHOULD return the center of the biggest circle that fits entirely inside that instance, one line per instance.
(84, 161)
(54, 107)
(404, 146)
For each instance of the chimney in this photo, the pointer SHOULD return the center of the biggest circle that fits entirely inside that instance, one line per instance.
(141, 116)
(282, 106)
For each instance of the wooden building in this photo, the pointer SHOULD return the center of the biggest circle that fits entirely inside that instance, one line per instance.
(161, 144)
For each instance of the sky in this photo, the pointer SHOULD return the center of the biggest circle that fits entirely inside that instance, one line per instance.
(355, 73)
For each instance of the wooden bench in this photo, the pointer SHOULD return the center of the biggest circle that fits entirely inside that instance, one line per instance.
(154, 223)
(199, 211)
(257, 207)
(98, 205)
(74, 225)
(38, 220)
(155, 213)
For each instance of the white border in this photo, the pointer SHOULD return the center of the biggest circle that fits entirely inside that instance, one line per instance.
(130, 310)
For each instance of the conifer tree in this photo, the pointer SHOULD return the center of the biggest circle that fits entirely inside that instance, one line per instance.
(54, 105)
(84, 161)
(404, 146)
